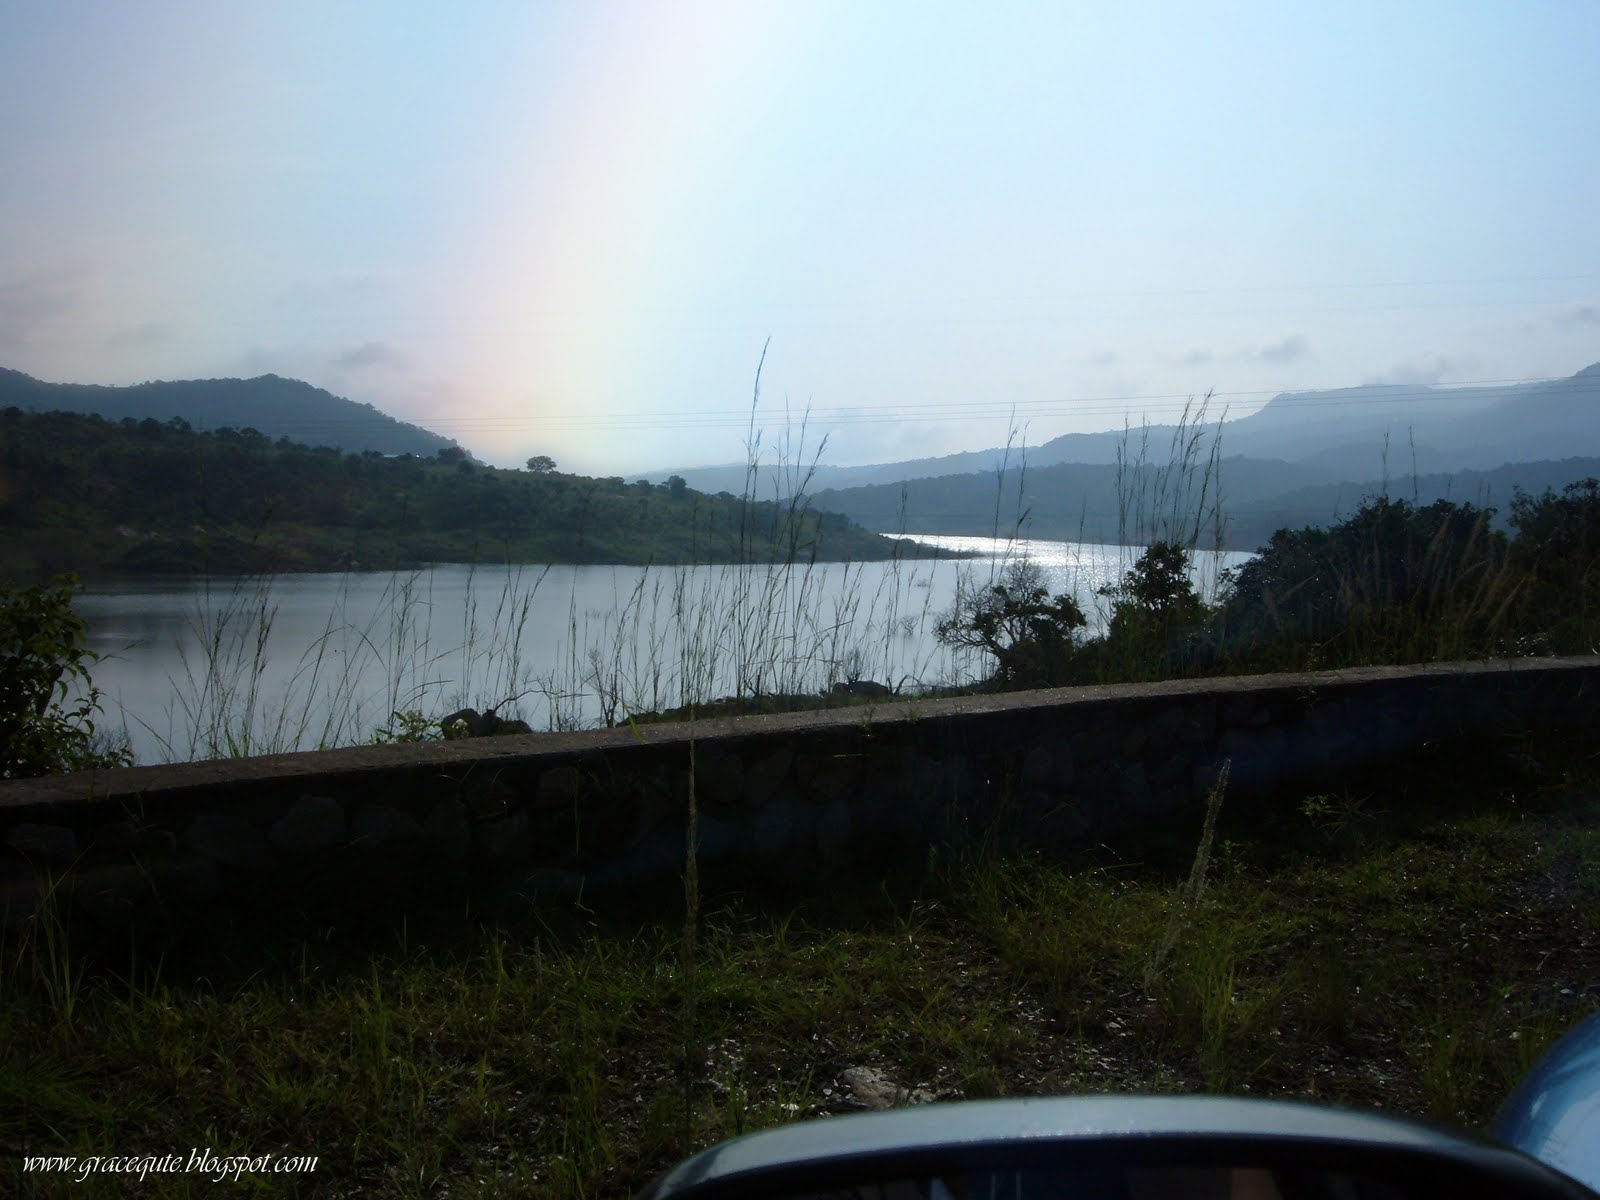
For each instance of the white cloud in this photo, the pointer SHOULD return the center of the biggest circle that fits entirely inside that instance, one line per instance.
(1293, 348)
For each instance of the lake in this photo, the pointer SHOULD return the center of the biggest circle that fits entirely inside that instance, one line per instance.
(209, 667)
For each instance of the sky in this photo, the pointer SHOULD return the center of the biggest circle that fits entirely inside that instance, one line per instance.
(576, 228)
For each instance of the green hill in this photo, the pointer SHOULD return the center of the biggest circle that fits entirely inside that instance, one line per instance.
(80, 493)
(274, 406)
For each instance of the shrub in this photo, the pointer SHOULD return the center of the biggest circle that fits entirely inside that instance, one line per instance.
(42, 657)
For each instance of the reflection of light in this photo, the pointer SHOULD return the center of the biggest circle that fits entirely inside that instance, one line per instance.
(1570, 1143)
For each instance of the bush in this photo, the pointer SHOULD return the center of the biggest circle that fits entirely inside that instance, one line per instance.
(42, 657)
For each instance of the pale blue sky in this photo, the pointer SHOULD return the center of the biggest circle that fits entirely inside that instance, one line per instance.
(570, 228)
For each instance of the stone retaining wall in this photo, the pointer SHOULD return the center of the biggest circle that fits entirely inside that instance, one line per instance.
(526, 819)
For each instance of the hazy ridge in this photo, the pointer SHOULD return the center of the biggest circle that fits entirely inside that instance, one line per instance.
(269, 404)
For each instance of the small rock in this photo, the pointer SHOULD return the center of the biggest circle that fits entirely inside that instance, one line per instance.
(864, 1088)
(870, 688)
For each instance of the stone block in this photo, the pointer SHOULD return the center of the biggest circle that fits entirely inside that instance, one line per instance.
(447, 831)
(544, 885)
(1169, 798)
(1038, 767)
(226, 838)
(44, 843)
(1246, 711)
(126, 842)
(769, 833)
(1133, 789)
(1054, 821)
(659, 856)
(1169, 768)
(187, 878)
(766, 774)
(511, 837)
(1095, 744)
(381, 824)
(558, 787)
(1326, 719)
(1203, 777)
(1199, 723)
(719, 776)
(718, 839)
(21, 889)
(312, 823)
(110, 895)
(825, 777)
(1065, 775)
(1162, 728)
(833, 832)
(1098, 784)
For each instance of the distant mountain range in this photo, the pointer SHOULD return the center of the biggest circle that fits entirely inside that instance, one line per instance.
(1306, 458)
(1343, 433)
(270, 404)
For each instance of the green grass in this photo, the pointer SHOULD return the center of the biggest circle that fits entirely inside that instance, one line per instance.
(1416, 965)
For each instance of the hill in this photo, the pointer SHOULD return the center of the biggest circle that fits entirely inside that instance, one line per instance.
(1093, 502)
(1339, 434)
(273, 406)
(80, 493)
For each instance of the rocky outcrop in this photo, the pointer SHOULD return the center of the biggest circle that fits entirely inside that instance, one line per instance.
(469, 722)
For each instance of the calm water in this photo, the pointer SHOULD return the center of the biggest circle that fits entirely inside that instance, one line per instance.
(199, 668)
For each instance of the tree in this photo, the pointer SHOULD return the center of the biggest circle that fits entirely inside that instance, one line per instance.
(1032, 637)
(1155, 611)
(42, 657)
(1557, 556)
(541, 464)
(677, 485)
(1386, 582)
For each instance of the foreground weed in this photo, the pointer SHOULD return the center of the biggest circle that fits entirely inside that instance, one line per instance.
(1194, 887)
(548, 1059)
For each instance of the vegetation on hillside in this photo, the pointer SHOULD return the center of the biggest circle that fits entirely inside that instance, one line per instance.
(79, 493)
